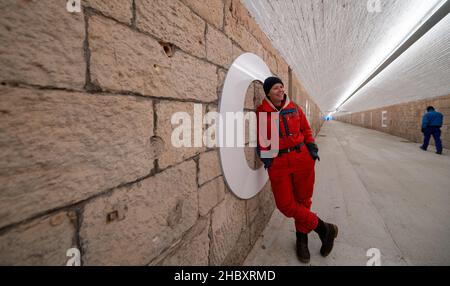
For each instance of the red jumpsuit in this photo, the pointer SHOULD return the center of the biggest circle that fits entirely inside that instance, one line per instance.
(291, 174)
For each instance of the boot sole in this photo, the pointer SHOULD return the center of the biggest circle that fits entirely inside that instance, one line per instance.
(304, 260)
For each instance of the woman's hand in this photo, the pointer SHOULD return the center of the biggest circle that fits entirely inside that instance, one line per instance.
(313, 150)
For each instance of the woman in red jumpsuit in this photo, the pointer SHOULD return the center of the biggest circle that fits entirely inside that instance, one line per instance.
(291, 172)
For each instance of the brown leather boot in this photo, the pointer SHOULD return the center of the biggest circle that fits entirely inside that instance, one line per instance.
(302, 247)
(327, 233)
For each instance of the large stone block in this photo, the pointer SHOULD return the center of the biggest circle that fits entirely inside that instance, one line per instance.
(210, 10)
(221, 75)
(172, 154)
(250, 156)
(60, 147)
(240, 12)
(283, 70)
(210, 194)
(262, 203)
(249, 102)
(237, 31)
(261, 37)
(259, 94)
(134, 224)
(240, 250)
(236, 52)
(211, 108)
(234, 9)
(193, 250)
(121, 10)
(43, 241)
(228, 222)
(234, 29)
(260, 210)
(125, 60)
(172, 21)
(42, 44)
(270, 61)
(219, 48)
(209, 166)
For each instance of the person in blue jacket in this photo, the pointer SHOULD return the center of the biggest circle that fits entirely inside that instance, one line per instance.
(431, 126)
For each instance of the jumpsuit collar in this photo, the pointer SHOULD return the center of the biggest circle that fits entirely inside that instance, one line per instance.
(286, 103)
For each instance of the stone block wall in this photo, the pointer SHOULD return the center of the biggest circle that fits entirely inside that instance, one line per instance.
(403, 120)
(86, 158)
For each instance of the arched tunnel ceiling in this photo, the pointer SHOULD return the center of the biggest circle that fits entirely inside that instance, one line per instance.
(334, 45)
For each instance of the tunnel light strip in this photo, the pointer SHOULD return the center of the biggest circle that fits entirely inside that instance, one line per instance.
(437, 14)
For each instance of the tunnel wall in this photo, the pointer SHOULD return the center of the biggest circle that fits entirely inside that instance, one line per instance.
(403, 120)
(87, 163)
(311, 110)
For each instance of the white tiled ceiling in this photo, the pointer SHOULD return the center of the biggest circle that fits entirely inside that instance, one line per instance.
(334, 45)
(422, 71)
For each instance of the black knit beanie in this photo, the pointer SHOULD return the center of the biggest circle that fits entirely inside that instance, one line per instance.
(269, 82)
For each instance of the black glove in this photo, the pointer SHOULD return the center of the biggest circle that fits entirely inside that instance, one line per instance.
(266, 161)
(423, 130)
(313, 150)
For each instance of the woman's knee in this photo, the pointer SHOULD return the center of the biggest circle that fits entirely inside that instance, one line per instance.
(287, 209)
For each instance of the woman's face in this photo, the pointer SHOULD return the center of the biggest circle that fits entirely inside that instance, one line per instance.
(276, 94)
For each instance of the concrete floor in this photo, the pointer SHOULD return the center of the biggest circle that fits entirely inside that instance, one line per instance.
(382, 191)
